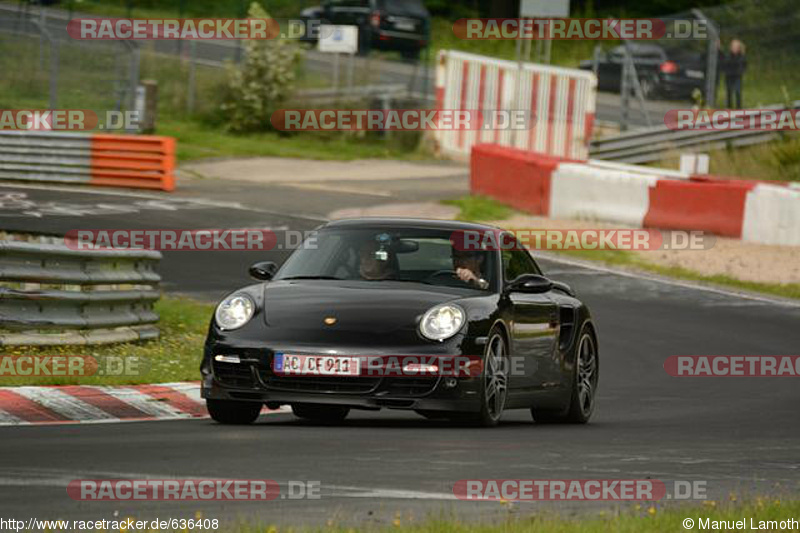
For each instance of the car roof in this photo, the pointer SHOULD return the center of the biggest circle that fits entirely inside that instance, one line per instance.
(426, 223)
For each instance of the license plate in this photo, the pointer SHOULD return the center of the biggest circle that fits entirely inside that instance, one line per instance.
(698, 74)
(316, 365)
(405, 26)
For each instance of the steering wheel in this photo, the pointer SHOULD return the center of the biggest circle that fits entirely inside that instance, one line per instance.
(440, 273)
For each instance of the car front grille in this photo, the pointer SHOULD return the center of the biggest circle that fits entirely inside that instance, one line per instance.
(354, 385)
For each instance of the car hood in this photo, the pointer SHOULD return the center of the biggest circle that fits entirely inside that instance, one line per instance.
(375, 307)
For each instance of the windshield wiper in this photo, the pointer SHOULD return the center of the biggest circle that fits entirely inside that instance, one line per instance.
(309, 277)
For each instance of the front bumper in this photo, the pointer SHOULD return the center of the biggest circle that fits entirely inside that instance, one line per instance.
(252, 379)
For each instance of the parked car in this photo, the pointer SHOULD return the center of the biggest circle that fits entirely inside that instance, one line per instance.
(666, 73)
(372, 288)
(401, 25)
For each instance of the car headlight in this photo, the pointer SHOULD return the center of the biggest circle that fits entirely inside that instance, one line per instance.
(234, 311)
(442, 322)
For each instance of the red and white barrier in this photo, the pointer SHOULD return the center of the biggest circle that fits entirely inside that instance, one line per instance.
(637, 196)
(580, 191)
(772, 215)
(561, 100)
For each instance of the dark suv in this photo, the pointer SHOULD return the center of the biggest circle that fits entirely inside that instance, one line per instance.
(401, 25)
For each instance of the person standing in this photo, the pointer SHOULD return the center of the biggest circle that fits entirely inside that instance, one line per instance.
(734, 65)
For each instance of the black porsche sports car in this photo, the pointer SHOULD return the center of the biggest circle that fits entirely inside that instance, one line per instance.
(318, 334)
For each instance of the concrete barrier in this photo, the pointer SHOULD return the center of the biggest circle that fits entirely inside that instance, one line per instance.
(637, 196)
(772, 215)
(521, 179)
(584, 192)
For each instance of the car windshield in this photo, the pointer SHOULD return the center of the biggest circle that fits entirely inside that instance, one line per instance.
(426, 256)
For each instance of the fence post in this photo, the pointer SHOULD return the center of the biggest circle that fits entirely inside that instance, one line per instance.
(53, 74)
(711, 60)
(134, 73)
(191, 93)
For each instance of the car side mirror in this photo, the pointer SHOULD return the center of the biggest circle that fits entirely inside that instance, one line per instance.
(560, 285)
(263, 270)
(530, 283)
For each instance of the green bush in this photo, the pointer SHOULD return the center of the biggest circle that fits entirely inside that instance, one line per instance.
(257, 87)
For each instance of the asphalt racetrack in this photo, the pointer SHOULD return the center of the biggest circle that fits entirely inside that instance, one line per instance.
(737, 435)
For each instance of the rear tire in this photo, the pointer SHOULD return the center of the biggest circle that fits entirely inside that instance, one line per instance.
(233, 412)
(584, 386)
(326, 414)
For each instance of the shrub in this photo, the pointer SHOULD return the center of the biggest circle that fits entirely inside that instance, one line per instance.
(261, 83)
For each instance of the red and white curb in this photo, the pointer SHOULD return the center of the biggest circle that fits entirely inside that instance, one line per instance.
(71, 404)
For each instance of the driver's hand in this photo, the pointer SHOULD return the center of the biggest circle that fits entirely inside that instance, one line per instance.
(465, 274)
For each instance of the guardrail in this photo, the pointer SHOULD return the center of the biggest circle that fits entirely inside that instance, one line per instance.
(139, 161)
(654, 144)
(328, 94)
(52, 294)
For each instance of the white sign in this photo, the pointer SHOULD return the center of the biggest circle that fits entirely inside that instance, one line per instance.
(544, 9)
(338, 39)
(694, 163)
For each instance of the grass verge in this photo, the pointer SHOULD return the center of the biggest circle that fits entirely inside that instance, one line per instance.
(656, 518)
(778, 160)
(174, 356)
(197, 140)
(627, 259)
(482, 209)
(477, 208)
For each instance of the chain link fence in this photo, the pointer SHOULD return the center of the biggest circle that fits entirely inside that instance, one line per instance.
(44, 68)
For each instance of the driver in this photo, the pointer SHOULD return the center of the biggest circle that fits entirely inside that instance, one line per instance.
(375, 262)
(468, 266)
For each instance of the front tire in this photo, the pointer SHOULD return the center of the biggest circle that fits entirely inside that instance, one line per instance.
(494, 381)
(233, 412)
(584, 386)
(326, 414)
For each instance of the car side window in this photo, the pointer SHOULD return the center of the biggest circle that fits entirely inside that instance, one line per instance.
(518, 262)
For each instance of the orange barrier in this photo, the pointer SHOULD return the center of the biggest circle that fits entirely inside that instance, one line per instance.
(140, 161)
